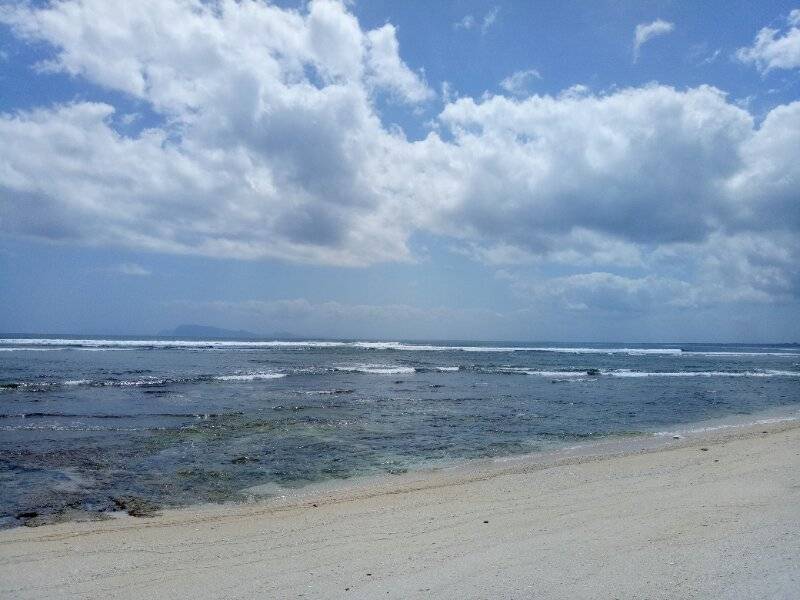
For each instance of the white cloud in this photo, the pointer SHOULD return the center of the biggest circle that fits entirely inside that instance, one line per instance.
(388, 71)
(725, 269)
(645, 165)
(774, 49)
(485, 23)
(270, 146)
(616, 179)
(519, 83)
(647, 31)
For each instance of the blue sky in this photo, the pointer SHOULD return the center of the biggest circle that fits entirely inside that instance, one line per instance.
(463, 170)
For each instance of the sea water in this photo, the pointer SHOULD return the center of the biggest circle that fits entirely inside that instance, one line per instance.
(85, 422)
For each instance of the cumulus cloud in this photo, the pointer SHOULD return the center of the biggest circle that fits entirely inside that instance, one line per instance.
(773, 48)
(647, 165)
(647, 31)
(269, 145)
(519, 83)
(387, 70)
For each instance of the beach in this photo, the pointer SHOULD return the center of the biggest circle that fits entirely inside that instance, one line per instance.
(712, 515)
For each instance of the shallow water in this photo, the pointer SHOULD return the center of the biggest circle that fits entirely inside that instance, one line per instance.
(84, 423)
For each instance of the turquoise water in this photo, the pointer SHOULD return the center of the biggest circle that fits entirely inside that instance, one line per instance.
(173, 422)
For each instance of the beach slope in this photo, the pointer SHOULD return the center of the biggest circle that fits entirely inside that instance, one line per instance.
(713, 518)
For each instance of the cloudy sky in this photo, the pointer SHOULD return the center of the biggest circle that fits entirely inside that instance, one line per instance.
(464, 169)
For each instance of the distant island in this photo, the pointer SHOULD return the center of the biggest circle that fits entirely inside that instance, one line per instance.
(207, 331)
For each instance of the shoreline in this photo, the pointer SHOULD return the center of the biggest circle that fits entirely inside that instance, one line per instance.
(460, 471)
(428, 533)
(427, 474)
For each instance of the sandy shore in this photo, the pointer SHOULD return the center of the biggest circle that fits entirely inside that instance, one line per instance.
(716, 515)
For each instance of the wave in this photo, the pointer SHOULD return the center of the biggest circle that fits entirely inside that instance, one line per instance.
(148, 381)
(595, 373)
(383, 369)
(565, 374)
(250, 377)
(20, 344)
(377, 369)
(736, 353)
(761, 373)
(14, 349)
(63, 415)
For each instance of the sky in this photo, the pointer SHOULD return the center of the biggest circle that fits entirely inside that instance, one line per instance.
(501, 170)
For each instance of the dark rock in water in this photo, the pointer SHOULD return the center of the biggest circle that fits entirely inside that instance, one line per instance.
(398, 381)
(593, 372)
(9, 386)
(27, 515)
(37, 521)
(243, 460)
(136, 507)
(704, 449)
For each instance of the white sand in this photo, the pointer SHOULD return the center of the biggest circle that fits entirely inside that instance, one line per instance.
(673, 523)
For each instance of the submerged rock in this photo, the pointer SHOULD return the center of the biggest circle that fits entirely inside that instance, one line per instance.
(136, 507)
(593, 372)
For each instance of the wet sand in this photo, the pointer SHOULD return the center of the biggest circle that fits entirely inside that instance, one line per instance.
(713, 515)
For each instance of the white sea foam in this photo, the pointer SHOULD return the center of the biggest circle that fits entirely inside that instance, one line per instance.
(732, 353)
(250, 377)
(563, 374)
(27, 349)
(109, 344)
(765, 373)
(43, 344)
(377, 369)
(135, 382)
(553, 349)
(631, 373)
(222, 344)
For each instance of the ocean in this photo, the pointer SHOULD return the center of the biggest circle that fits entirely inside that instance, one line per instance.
(88, 426)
